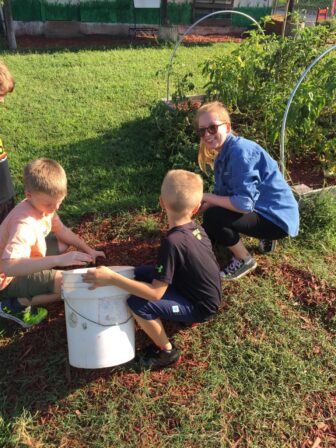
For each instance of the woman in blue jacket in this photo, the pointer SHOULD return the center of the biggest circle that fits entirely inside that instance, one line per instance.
(250, 196)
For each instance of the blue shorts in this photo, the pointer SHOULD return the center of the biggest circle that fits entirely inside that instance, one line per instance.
(172, 306)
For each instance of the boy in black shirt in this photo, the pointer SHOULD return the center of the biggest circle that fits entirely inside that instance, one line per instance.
(184, 286)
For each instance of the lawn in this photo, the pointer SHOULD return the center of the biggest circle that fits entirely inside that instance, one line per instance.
(261, 374)
(90, 110)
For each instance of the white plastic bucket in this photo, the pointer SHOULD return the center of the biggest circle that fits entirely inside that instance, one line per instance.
(100, 328)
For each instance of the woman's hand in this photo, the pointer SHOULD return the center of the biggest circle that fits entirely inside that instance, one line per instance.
(101, 276)
(204, 206)
(214, 200)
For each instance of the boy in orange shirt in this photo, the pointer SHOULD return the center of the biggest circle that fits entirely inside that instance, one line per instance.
(28, 249)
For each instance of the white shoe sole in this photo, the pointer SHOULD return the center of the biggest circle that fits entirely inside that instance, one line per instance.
(15, 319)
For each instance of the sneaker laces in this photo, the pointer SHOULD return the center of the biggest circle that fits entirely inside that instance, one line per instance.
(235, 264)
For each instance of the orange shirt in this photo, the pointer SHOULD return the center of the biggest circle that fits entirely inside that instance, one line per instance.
(23, 233)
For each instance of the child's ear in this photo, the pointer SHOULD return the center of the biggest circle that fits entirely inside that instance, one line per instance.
(27, 194)
(195, 210)
(162, 205)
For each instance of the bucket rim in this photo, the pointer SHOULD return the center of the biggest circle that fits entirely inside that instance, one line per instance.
(78, 271)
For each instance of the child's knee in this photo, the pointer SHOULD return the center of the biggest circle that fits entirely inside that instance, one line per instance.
(58, 282)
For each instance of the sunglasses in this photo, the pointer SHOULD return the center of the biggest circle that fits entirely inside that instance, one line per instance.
(212, 129)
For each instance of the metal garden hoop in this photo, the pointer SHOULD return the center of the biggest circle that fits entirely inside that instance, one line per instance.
(284, 119)
(192, 26)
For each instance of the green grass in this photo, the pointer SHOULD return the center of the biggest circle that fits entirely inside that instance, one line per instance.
(90, 111)
(262, 374)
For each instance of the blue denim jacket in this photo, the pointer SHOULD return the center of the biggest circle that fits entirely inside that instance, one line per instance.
(246, 173)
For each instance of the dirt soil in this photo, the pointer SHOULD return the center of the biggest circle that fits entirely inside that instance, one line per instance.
(308, 172)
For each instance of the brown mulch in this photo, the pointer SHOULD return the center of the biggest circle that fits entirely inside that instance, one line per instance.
(96, 40)
(307, 288)
(308, 172)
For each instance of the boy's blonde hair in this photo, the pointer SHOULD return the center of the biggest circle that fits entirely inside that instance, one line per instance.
(206, 156)
(6, 79)
(182, 191)
(45, 176)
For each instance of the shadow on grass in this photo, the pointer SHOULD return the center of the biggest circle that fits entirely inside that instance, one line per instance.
(35, 374)
(119, 170)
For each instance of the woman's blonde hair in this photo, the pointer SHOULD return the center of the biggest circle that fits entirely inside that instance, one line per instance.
(207, 156)
(45, 176)
(6, 79)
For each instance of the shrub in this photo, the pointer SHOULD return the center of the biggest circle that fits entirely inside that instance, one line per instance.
(318, 219)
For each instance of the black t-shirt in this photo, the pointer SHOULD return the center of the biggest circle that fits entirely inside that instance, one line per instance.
(187, 262)
(6, 184)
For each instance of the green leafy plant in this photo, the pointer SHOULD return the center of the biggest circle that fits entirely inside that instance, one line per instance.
(257, 80)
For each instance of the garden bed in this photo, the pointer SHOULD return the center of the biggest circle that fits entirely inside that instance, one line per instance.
(96, 41)
(309, 172)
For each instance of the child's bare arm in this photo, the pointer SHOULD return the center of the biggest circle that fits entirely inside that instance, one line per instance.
(13, 267)
(67, 236)
(103, 276)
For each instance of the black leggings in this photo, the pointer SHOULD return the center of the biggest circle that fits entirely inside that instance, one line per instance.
(224, 226)
(5, 208)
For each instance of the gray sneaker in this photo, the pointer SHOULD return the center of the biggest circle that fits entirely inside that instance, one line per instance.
(267, 246)
(238, 268)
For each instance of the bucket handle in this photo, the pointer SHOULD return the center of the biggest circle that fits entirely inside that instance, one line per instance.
(93, 321)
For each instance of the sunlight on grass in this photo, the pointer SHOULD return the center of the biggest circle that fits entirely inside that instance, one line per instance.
(89, 110)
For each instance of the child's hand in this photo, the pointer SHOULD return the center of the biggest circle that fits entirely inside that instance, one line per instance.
(101, 276)
(96, 253)
(74, 258)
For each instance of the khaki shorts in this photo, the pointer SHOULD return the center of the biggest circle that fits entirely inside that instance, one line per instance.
(32, 285)
(29, 286)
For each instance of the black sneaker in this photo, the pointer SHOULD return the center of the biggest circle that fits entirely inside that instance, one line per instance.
(267, 246)
(150, 350)
(238, 268)
(158, 359)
